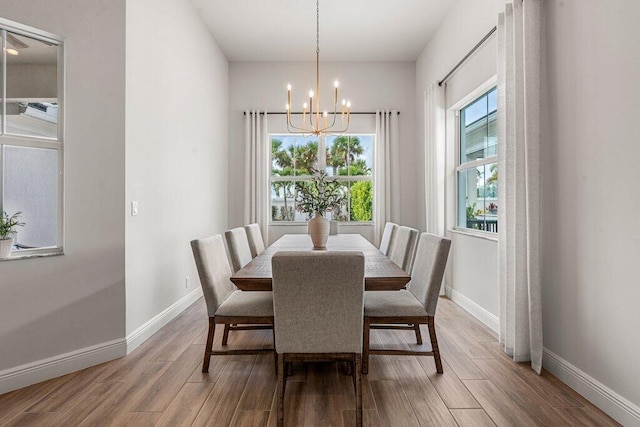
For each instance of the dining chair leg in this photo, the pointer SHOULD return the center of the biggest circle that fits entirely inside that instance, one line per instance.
(208, 349)
(275, 355)
(416, 328)
(358, 389)
(281, 380)
(365, 340)
(434, 344)
(353, 370)
(225, 334)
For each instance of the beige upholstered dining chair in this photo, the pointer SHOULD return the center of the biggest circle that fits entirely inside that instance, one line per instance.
(225, 304)
(334, 228)
(317, 301)
(388, 234)
(254, 237)
(402, 252)
(416, 305)
(403, 248)
(238, 246)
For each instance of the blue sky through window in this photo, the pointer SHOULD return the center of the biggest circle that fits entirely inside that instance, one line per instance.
(483, 106)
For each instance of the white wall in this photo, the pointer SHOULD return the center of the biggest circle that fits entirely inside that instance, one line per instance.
(52, 306)
(470, 277)
(370, 86)
(591, 102)
(176, 163)
(590, 149)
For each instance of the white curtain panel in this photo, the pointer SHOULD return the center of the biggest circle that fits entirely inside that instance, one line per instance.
(434, 159)
(256, 170)
(386, 172)
(519, 40)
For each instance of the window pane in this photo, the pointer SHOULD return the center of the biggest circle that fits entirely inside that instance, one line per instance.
(350, 155)
(293, 155)
(31, 187)
(282, 201)
(478, 132)
(32, 87)
(478, 198)
(341, 213)
(475, 111)
(361, 201)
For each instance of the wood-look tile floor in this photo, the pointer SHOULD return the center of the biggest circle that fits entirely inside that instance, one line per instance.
(160, 383)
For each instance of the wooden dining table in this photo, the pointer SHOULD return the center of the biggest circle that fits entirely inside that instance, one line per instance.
(380, 273)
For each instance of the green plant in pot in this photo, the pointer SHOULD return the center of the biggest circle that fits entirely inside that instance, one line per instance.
(8, 226)
(315, 198)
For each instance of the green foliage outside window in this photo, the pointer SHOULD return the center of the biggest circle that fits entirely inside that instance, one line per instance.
(362, 201)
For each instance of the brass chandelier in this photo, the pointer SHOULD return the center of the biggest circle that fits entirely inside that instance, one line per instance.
(319, 122)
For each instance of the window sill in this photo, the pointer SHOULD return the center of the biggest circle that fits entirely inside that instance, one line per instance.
(17, 255)
(475, 233)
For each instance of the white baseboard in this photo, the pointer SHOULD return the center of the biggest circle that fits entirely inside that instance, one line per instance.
(613, 404)
(41, 370)
(152, 326)
(616, 406)
(480, 313)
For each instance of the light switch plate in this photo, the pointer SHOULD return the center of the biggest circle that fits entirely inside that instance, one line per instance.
(134, 208)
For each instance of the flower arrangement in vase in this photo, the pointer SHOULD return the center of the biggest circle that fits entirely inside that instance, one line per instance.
(315, 198)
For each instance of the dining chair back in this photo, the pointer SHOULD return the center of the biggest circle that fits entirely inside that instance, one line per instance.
(254, 237)
(214, 271)
(334, 281)
(388, 234)
(238, 246)
(318, 312)
(403, 248)
(427, 274)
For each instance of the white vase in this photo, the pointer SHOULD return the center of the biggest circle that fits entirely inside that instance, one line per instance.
(318, 228)
(5, 247)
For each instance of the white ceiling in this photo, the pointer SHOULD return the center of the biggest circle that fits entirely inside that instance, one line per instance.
(350, 30)
(32, 52)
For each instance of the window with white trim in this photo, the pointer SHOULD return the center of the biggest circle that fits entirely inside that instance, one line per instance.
(348, 158)
(477, 171)
(31, 136)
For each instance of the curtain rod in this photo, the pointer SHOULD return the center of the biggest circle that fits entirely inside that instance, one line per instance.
(471, 52)
(284, 112)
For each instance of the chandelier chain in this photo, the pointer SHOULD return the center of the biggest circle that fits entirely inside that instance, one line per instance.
(317, 26)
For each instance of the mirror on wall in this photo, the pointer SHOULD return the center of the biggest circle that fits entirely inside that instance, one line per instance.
(31, 87)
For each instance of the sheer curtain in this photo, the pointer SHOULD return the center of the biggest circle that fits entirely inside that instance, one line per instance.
(434, 159)
(387, 168)
(519, 39)
(256, 171)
